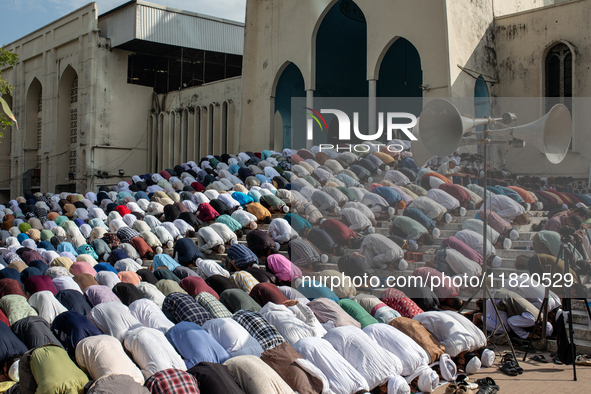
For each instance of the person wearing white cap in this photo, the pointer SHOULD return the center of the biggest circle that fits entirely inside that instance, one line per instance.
(377, 204)
(245, 218)
(459, 336)
(325, 203)
(208, 240)
(508, 209)
(474, 240)
(281, 231)
(458, 264)
(413, 357)
(492, 235)
(381, 252)
(407, 227)
(450, 203)
(357, 221)
(431, 208)
(228, 236)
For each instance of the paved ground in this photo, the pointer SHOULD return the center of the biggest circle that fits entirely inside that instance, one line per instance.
(537, 378)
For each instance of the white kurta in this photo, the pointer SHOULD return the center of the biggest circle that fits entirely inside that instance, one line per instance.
(474, 240)
(150, 315)
(103, 355)
(358, 221)
(233, 337)
(411, 355)
(343, 378)
(151, 293)
(397, 178)
(447, 200)
(207, 268)
(477, 226)
(46, 305)
(244, 217)
(380, 251)
(375, 363)
(224, 232)
(208, 238)
(281, 231)
(293, 326)
(113, 318)
(460, 264)
(151, 351)
(428, 206)
(504, 206)
(453, 330)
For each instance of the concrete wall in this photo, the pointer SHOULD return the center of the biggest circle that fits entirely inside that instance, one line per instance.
(513, 6)
(280, 32)
(111, 114)
(194, 122)
(471, 45)
(44, 54)
(522, 43)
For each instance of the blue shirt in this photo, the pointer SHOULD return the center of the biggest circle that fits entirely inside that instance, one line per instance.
(164, 260)
(195, 344)
(390, 195)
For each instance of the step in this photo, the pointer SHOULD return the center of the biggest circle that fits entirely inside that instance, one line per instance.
(513, 253)
(583, 347)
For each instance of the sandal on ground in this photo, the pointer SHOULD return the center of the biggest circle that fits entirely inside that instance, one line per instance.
(583, 359)
(451, 388)
(488, 381)
(557, 360)
(540, 358)
(488, 388)
(509, 366)
(462, 381)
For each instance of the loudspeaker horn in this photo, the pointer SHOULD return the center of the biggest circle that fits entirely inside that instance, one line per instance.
(420, 154)
(551, 134)
(442, 127)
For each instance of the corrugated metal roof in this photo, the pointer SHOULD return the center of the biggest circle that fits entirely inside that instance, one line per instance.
(171, 26)
(166, 27)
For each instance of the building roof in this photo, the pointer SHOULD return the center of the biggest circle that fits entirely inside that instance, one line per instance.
(140, 20)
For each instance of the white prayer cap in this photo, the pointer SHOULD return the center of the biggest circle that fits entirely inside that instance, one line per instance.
(513, 235)
(473, 366)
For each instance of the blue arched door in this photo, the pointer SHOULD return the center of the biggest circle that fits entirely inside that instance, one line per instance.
(290, 84)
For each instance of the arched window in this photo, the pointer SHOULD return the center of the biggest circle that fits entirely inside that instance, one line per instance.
(559, 76)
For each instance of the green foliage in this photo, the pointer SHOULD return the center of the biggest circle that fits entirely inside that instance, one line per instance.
(7, 58)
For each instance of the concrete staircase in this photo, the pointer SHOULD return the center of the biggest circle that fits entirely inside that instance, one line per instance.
(523, 245)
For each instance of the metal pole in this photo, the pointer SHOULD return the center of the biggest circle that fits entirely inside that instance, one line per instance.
(484, 234)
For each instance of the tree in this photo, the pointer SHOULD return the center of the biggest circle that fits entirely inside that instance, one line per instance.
(7, 58)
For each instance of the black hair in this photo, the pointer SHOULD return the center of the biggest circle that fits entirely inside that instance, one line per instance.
(582, 211)
(267, 220)
(576, 221)
(191, 234)
(239, 233)
(8, 361)
(338, 250)
(149, 255)
(426, 238)
(454, 302)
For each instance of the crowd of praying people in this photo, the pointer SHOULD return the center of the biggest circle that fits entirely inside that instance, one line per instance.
(192, 279)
